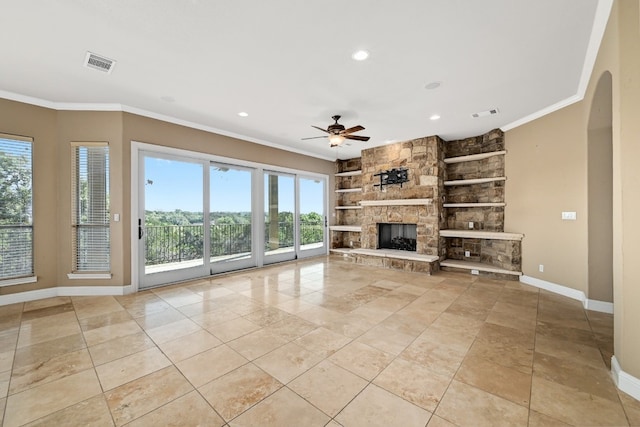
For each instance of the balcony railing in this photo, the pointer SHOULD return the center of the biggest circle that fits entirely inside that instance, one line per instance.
(177, 243)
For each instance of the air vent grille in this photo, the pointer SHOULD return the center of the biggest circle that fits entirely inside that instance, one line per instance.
(98, 62)
(486, 113)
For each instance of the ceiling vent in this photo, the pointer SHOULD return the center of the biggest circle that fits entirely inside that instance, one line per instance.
(486, 113)
(100, 63)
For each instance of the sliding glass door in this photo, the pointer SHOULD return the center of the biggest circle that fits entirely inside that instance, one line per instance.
(312, 218)
(231, 217)
(279, 217)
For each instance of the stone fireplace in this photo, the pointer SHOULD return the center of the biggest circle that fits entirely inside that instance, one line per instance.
(400, 237)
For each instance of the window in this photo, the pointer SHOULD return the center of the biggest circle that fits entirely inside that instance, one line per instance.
(16, 195)
(90, 210)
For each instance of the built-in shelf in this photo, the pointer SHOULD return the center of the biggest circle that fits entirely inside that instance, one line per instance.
(348, 190)
(469, 265)
(472, 205)
(480, 234)
(393, 253)
(397, 202)
(354, 228)
(474, 181)
(342, 251)
(348, 207)
(350, 173)
(473, 157)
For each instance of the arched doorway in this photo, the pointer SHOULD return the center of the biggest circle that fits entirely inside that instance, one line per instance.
(600, 192)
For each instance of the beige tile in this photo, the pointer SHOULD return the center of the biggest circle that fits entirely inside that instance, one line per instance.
(377, 407)
(505, 346)
(210, 364)
(291, 328)
(256, 344)
(287, 362)
(189, 345)
(4, 384)
(362, 359)
(173, 331)
(44, 303)
(178, 296)
(46, 399)
(319, 315)
(188, 410)
(212, 318)
(351, 325)
(129, 368)
(110, 332)
(162, 318)
(536, 419)
(201, 307)
(574, 406)
(294, 306)
(47, 311)
(413, 382)
(137, 398)
(436, 421)
(513, 315)
(282, 408)
(323, 341)
(92, 412)
(631, 408)
(45, 371)
(142, 304)
(463, 404)
(6, 360)
(94, 306)
(328, 387)
(507, 383)
(386, 339)
(232, 329)
(439, 358)
(210, 291)
(568, 372)
(563, 349)
(40, 353)
(120, 347)
(48, 328)
(3, 403)
(240, 389)
(107, 319)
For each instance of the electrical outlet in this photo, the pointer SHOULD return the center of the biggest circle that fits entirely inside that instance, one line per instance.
(541, 268)
(351, 243)
(470, 225)
(476, 272)
(467, 253)
(569, 216)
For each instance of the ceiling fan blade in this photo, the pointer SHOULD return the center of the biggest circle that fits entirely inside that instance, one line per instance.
(323, 130)
(315, 137)
(357, 138)
(352, 130)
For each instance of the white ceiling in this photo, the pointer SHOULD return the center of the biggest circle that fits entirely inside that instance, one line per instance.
(288, 63)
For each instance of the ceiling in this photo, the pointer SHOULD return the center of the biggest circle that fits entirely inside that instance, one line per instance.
(288, 63)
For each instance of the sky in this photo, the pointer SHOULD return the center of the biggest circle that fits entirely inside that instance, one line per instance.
(171, 185)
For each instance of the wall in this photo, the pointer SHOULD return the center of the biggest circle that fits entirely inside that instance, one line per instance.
(53, 131)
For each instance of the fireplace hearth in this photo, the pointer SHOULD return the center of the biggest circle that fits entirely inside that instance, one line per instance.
(397, 236)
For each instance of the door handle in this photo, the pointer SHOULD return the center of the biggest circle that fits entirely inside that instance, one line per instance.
(140, 233)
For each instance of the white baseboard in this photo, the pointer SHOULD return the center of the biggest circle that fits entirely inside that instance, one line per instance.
(64, 291)
(625, 382)
(589, 304)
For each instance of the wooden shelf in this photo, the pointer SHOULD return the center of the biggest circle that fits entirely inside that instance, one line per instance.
(348, 190)
(469, 265)
(348, 207)
(473, 157)
(397, 202)
(354, 228)
(480, 234)
(473, 205)
(350, 173)
(474, 181)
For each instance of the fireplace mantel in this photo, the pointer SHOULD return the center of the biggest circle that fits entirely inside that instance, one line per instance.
(397, 202)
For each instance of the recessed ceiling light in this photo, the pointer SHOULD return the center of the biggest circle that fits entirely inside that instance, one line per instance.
(434, 117)
(243, 114)
(432, 85)
(360, 55)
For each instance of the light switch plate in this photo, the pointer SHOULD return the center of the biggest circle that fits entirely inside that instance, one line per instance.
(569, 216)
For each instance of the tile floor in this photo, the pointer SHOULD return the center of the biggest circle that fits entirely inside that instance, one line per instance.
(318, 342)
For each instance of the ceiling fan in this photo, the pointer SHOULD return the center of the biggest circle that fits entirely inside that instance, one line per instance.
(337, 133)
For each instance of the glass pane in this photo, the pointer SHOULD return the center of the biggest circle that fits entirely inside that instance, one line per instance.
(230, 209)
(174, 220)
(279, 205)
(311, 213)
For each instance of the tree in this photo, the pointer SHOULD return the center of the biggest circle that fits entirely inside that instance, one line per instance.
(15, 189)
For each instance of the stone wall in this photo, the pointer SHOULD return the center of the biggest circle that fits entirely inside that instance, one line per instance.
(423, 158)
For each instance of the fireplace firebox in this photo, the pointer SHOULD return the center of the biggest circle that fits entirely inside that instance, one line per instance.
(397, 236)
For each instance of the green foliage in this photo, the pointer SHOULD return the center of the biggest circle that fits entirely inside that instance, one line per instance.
(15, 190)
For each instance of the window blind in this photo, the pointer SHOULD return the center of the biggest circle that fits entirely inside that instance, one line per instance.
(90, 210)
(16, 195)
